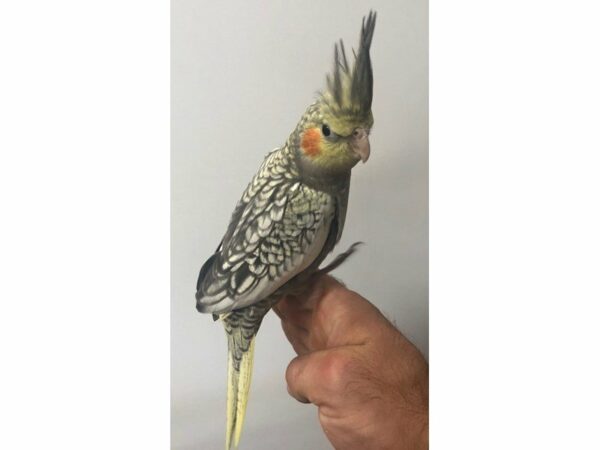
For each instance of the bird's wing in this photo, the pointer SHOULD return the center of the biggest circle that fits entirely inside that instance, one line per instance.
(277, 230)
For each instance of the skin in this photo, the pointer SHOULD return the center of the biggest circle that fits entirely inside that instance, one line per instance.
(369, 382)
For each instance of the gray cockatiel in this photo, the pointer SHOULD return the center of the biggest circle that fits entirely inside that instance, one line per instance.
(289, 218)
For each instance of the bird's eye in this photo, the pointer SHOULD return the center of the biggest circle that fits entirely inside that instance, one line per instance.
(326, 131)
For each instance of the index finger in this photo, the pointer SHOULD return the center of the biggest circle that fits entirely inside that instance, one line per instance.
(298, 309)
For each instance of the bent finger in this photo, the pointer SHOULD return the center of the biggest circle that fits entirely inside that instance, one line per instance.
(300, 318)
(297, 336)
(317, 376)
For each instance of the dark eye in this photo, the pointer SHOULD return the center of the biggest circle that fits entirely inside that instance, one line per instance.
(326, 131)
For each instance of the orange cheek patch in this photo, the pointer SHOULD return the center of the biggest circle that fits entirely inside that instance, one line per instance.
(311, 142)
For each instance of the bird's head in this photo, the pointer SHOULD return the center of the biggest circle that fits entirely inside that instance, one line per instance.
(333, 135)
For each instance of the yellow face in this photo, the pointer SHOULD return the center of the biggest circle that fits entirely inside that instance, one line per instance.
(334, 133)
(330, 142)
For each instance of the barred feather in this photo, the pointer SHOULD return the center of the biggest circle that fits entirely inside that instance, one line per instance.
(288, 220)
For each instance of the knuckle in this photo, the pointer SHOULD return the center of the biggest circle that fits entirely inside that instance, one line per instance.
(334, 291)
(336, 369)
(332, 303)
(291, 373)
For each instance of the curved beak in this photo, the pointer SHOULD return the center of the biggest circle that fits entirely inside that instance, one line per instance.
(360, 144)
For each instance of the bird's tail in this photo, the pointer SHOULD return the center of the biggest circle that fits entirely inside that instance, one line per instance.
(241, 326)
(239, 375)
(238, 386)
(339, 259)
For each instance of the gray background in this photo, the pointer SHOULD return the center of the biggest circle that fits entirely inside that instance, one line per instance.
(242, 75)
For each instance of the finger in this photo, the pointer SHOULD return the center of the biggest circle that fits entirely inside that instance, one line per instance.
(278, 311)
(297, 336)
(312, 378)
(290, 309)
(343, 317)
(299, 377)
(315, 289)
(300, 318)
(309, 295)
(291, 304)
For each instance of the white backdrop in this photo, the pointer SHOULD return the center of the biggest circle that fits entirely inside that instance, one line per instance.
(242, 75)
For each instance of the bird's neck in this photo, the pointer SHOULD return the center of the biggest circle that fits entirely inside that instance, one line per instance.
(312, 176)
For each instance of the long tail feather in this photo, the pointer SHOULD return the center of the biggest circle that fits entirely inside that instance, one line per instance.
(339, 259)
(238, 387)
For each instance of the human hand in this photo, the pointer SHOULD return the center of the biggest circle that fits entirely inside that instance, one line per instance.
(368, 381)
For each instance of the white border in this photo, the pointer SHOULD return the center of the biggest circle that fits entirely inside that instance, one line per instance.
(515, 225)
(84, 181)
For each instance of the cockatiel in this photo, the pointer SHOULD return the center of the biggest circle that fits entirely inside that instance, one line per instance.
(289, 218)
